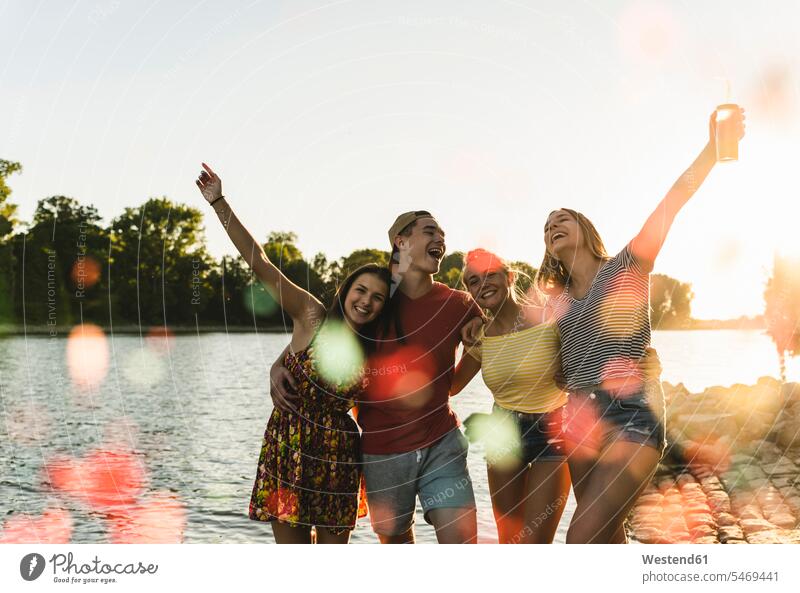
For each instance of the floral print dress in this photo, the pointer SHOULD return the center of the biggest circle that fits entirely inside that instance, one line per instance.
(309, 469)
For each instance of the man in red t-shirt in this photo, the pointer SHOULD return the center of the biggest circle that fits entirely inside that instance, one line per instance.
(412, 446)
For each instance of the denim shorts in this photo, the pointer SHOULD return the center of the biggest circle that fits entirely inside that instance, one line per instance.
(437, 474)
(594, 418)
(540, 437)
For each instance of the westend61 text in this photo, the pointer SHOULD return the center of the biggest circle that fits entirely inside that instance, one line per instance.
(690, 559)
(97, 566)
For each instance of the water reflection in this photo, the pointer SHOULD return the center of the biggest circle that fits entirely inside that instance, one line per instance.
(173, 459)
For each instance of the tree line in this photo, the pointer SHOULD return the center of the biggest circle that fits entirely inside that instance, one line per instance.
(149, 266)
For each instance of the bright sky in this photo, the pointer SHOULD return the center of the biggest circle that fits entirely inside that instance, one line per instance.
(329, 118)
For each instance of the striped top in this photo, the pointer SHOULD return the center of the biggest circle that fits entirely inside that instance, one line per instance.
(604, 335)
(519, 368)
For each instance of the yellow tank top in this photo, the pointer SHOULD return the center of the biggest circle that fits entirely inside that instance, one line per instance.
(519, 368)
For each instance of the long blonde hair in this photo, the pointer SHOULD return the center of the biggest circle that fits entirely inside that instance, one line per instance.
(553, 275)
(486, 260)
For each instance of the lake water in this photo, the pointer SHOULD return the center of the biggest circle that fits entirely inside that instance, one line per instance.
(197, 413)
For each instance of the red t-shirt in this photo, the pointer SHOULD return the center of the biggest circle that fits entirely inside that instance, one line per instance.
(406, 403)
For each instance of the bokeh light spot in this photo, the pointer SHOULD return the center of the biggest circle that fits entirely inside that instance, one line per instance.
(87, 356)
(338, 354)
(102, 479)
(158, 519)
(54, 526)
(413, 389)
(143, 367)
(160, 339)
(648, 31)
(258, 301)
(85, 273)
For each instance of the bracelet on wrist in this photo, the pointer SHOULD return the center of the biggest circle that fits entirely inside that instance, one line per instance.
(215, 200)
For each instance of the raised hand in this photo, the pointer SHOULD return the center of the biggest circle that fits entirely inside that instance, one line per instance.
(736, 119)
(210, 184)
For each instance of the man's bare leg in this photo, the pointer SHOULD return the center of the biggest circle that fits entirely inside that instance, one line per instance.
(403, 538)
(455, 526)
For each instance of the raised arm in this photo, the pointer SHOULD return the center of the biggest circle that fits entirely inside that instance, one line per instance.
(299, 304)
(647, 244)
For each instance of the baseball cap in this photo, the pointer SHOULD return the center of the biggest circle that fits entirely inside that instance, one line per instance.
(405, 219)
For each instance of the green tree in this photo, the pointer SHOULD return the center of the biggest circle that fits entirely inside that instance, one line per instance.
(159, 265)
(450, 269)
(333, 273)
(7, 209)
(670, 302)
(281, 248)
(525, 275)
(284, 253)
(328, 271)
(64, 253)
(7, 263)
(782, 311)
(321, 265)
(360, 257)
(239, 299)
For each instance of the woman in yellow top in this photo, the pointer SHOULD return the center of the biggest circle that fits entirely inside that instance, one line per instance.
(519, 358)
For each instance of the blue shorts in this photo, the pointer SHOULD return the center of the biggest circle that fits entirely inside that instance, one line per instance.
(594, 418)
(437, 474)
(540, 437)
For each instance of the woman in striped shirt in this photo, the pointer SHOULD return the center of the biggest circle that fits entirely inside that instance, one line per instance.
(614, 435)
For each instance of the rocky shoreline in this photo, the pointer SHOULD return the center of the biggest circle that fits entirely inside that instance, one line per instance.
(731, 473)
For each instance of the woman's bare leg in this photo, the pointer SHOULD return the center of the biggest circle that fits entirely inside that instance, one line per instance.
(290, 534)
(324, 536)
(403, 538)
(610, 490)
(546, 492)
(581, 461)
(507, 490)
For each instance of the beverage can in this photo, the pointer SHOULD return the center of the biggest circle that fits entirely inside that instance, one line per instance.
(727, 138)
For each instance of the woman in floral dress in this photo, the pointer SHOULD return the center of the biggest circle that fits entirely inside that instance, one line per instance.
(309, 473)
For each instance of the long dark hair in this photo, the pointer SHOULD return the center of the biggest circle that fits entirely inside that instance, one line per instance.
(368, 334)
